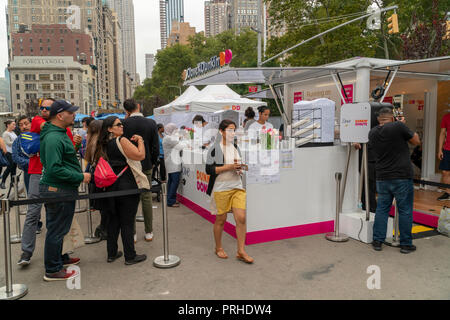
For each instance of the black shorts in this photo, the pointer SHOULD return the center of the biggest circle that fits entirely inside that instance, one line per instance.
(445, 163)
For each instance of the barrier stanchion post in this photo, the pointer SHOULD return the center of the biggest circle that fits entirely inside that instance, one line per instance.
(396, 237)
(17, 238)
(336, 236)
(91, 238)
(166, 261)
(366, 180)
(10, 291)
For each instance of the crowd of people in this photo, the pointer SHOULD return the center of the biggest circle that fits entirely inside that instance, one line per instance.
(138, 151)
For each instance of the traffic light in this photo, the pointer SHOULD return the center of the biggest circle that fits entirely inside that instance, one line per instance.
(447, 31)
(393, 24)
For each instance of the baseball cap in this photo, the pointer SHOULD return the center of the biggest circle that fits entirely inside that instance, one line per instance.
(62, 105)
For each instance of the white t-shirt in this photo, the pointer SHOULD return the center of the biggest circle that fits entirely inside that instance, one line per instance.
(256, 126)
(9, 138)
(228, 180)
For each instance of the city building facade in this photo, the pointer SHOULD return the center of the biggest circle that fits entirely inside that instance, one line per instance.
(170, 11)
(217, 17)
(181, 31)
(244, 14)
(58, 77)
(149, 64)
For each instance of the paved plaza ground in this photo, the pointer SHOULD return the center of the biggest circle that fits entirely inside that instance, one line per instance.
(300, 268)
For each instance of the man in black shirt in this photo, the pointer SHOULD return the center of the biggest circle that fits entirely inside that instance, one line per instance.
(389, 142)
(136, 124)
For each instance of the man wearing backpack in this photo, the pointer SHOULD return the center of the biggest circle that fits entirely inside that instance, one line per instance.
(35, 171)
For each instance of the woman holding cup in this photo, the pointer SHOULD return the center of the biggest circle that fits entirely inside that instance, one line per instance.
(225, 184)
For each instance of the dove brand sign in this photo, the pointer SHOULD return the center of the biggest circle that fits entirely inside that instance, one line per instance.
(214, 63)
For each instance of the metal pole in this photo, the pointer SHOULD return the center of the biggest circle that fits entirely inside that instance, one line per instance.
(361, 181)
(166, 261)
(347, 165)
(17, 238)
(259, 32)
(335, 236)
(10, 291)
(396, 239)
(91, 238)
(366, 180)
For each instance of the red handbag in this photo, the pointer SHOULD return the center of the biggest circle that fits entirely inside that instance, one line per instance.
(104, 175)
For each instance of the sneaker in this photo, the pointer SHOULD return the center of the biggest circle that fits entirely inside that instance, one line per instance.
(149, 237)
(137, 259)
(407, 249)
(135, 238)
(61, 275)
(118, 255)
(71, 262)
(377, 245)
(25, 259)
(444, 197)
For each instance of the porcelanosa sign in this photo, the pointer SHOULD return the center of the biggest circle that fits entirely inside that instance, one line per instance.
(204, 67)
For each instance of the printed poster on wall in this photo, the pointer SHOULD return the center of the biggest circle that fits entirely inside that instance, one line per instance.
(349, 90)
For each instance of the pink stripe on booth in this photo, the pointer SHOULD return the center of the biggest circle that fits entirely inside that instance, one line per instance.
(264, 235)
(429, 220)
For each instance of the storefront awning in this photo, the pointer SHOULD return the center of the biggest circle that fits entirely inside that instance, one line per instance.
(263, 94)
(433, 68)
(272, 76)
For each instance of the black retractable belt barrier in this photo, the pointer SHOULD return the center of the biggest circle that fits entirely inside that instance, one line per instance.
(431, 183)
(101, 195)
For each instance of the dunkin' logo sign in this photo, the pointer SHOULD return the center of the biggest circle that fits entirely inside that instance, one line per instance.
(202, 181)
(203, 67)
(361, 123)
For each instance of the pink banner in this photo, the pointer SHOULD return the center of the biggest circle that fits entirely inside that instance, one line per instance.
(349, 91)
(298, 96)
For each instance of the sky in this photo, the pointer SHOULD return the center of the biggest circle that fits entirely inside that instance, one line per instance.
(146, 15)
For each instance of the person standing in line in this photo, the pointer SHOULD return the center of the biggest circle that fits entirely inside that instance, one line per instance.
(61, 177)
(136, 124)
(261, 124)
(444, 155)
(172, 151)
(225, 184)
(123, 209)
(93, 133)
(32, 221)
(162, 167)
(249, 118)
(9, 136)
(21, 159)
(394, 173)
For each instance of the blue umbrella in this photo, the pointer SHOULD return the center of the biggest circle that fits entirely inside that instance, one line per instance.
(151, 117)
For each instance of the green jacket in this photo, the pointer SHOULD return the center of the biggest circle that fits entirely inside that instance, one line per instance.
(61, 168)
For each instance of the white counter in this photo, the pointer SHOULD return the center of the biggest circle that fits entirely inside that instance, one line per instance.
(301, 204)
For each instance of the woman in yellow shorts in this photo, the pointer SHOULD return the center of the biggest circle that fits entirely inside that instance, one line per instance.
(225, 184)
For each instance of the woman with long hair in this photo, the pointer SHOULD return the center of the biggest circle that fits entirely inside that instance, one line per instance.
(93, 132)
(225, 185)
(249, 117)
(9, 136)
(122, 210)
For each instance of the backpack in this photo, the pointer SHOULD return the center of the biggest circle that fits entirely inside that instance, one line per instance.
(30, 143)
(104, 175)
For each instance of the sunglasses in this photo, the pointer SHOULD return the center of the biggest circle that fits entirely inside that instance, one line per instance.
(45, 108)
(120, 125)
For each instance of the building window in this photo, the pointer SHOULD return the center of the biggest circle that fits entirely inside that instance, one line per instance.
(18, 106)
(59, 86)
(58, 77)
(46, 86)
(18, 96)
(71, 76)
(71, 86)
(30, 77)
(45, 77)
(17, 87)
(17, 77)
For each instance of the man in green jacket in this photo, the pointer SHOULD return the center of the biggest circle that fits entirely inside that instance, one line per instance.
(61, 177)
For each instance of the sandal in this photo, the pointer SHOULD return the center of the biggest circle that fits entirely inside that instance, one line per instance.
(245, 258)
(221, 253)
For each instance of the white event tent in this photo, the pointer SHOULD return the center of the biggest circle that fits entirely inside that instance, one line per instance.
(207, 102)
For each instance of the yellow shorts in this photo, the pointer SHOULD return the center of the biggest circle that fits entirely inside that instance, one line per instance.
(225, 200)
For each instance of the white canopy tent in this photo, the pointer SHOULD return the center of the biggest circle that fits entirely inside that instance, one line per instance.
(206, 102)
(182, 100)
